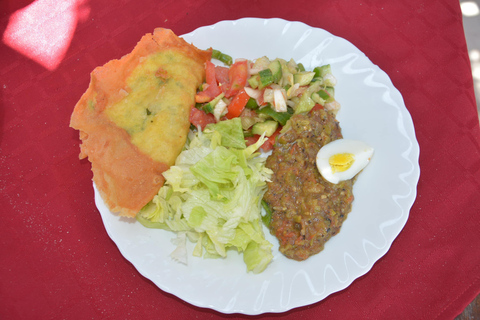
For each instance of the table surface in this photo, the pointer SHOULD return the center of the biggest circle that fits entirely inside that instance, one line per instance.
(57, 260)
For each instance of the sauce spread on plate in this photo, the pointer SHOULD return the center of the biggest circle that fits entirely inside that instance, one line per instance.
(306, 209)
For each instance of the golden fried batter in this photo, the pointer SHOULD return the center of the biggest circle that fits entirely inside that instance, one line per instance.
(133, 118)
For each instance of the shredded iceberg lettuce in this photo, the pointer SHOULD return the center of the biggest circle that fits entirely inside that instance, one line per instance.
(212, 196)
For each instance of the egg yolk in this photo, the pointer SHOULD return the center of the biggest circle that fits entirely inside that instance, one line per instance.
(341, 161)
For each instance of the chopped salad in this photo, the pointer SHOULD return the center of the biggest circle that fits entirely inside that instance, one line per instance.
(263, 93)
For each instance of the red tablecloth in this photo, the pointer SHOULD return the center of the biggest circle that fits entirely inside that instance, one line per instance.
(56, 260)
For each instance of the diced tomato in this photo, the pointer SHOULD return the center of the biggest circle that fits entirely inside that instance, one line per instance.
(212, 89)
(208, 94)
(237, 76)
(200, 118)
(251, 140)
(237, 105)
(260, 100)
(203, 97)
(210, 74)
(267, 145)
(221, 74)
(317, 107)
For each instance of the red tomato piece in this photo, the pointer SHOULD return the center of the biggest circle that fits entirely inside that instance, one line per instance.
(237, 76)
(203, 97)
(267, 145)
(221, 74)
(260, 100)
(207, 95)
(317, 107)
(237, 105)
(200, 118)
(210, 74)
(251, 140)
(212, 89)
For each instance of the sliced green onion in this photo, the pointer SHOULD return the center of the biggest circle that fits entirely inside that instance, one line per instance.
(222, 57)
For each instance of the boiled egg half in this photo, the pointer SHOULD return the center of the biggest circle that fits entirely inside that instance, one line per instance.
(342, 159)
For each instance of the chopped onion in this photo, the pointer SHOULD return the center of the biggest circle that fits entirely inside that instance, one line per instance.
(253, 93)
(219, 109)
(253, 71)
(268, 95)
(291, 103)
(280, 105)
(247, 122)
(292, 91)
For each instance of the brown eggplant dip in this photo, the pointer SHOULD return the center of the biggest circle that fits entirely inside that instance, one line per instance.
(306, 209)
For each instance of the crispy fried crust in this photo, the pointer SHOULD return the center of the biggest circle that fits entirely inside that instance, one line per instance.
(129, 134)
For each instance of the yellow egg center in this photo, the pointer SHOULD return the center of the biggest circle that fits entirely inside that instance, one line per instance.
(341, 161)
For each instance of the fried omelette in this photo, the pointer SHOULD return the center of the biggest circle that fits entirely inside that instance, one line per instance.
(134, 117)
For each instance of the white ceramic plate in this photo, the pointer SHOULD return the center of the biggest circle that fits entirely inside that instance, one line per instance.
(372, 111)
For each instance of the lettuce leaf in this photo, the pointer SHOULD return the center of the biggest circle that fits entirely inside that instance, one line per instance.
(213, 196)
(231, 133)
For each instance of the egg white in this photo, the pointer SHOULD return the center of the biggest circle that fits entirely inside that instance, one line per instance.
(361, 152)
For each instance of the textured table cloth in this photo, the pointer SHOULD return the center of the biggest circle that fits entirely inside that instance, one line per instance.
(57, 261)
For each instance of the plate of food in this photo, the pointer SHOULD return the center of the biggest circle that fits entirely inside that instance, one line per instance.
(231, 208)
